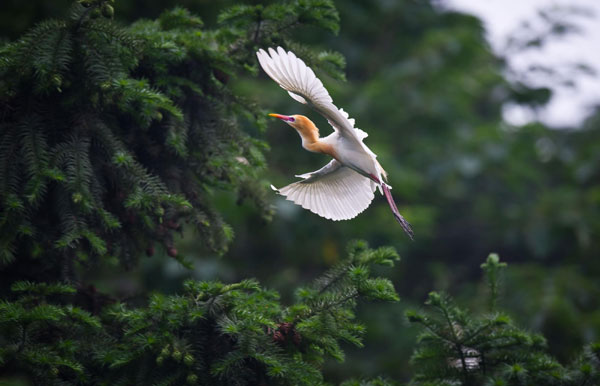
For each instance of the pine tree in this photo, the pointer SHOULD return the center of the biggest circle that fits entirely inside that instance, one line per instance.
(113, 139)
(457, 347)
(211, 334)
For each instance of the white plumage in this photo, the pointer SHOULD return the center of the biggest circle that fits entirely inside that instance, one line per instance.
(344, 187)
(334, 192)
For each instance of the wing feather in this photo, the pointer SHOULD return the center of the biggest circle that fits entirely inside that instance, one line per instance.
(297, 97)
(281, 60)
(334, 192)
(293, 61)
(339, 206)
(292, 74)
(335, 205)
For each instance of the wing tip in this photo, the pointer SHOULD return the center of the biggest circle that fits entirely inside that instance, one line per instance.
(293, 75)
(332, 218)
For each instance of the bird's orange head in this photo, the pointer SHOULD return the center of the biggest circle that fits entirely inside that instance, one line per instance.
(304, 126)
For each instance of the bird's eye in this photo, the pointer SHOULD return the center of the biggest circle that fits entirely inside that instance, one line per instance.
(292, 119)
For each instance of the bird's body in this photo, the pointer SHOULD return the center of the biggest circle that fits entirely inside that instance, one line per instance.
(344, 187)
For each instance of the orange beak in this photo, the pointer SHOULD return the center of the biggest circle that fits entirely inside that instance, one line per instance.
(285, 118)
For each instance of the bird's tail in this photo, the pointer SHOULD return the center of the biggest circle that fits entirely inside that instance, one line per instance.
(403, 223)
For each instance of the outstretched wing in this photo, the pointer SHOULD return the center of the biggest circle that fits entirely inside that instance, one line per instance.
(334, 192)
(294, 76)
(299, 80)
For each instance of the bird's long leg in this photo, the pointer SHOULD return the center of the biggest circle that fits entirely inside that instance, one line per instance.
(403, 223)
(388, 196)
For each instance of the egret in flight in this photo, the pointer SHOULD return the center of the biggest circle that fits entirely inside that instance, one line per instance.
(345, 186)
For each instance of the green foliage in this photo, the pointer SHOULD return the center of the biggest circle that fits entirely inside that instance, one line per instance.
(115, 138)
(211, 334)
(273, 19)
(375, 382)
(459, 347)
(493, 268)
(323, 312)
(43, 338)
(123, 136)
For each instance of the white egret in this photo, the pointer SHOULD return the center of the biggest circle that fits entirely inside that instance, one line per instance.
(345, 186)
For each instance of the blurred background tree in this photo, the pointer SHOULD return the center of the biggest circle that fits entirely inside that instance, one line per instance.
(427, 87)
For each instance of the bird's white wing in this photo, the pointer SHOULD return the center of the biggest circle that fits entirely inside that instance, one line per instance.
(335, 192)
(299, 80)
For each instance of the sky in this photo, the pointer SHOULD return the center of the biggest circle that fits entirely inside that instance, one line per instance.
(569, 106)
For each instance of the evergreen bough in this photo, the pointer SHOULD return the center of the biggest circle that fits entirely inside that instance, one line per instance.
(211, 334)
(457, 347)
(113, 139)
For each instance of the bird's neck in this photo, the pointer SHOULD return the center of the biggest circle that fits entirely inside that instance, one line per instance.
(309, 133)
(311, 140)
(308, 130)
(321, 147)
(314, 144)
